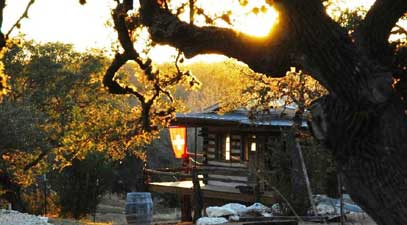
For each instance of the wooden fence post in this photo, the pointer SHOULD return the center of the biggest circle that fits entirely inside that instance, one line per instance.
(198, 199)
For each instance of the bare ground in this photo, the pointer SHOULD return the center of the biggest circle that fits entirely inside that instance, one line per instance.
(111, 212)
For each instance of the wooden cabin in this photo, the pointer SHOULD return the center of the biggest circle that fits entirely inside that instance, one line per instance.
(233, 140)
(235, 151)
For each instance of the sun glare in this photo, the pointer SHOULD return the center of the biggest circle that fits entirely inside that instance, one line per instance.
(84, 26)
(258, 24)
(256, 18)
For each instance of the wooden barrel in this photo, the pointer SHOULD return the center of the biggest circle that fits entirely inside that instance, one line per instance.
(139, 208)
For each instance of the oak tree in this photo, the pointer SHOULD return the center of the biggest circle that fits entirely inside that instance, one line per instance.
(362, 119)
(59, 112)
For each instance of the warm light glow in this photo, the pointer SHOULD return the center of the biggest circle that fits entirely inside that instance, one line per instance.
(341, 5)
(257, 25)
(84, 26)
(253, 144)
(243, 19)
(351, 4)
(227, 148)
(52, 20)
(251, 24)
(178, 140)
(253, 147)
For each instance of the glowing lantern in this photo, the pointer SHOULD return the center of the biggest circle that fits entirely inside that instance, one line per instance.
(178, 136)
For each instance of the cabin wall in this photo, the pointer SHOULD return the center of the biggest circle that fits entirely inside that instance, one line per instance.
(211, 153)
(235, 147)
(244, 167)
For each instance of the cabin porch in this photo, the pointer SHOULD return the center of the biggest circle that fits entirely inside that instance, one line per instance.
(211, 193)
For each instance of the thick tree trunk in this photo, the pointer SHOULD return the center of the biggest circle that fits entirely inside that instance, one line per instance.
(365, 121)
(376, 176)
(370, 148)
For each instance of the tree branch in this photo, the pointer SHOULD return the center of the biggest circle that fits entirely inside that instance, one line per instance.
(130, 53)
(124, 35)
(36, 160)
(374, 31)
(119, 19)
(112, 84)
(399, 30)
(261, 54)
(305, 37)
(24, 15)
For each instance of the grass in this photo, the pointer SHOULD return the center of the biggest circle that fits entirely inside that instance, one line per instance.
(59, 221)
(110, 211)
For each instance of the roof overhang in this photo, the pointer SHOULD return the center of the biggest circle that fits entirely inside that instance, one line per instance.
(230, 120)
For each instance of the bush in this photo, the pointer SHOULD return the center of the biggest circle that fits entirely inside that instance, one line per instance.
(81, 186)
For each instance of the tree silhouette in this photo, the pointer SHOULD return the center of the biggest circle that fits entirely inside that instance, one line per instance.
(362, 119)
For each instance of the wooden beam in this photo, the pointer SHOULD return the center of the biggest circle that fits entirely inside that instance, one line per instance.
(212, 192)
(227, 164)
(224, 170)
(176, 174)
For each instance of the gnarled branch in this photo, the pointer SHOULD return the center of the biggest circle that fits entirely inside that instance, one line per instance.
(124, 32)
(374, 31)
(261, 54)
(305, 37)
(24, 15)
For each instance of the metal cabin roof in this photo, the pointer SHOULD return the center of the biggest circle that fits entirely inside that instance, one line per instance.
(274, 117)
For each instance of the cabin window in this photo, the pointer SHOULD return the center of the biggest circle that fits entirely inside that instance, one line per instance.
(227, 147)
(253, 144)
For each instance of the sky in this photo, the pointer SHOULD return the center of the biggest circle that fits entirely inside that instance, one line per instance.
(63, 20)
(85, 26)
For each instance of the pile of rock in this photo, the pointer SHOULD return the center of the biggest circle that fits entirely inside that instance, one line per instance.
(10, 217)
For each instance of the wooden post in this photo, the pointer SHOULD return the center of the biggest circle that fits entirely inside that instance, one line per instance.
(186, 212)
(45, 194)
(198, 199)
(304, 170)
(196, 144)
(342, 217)
(186, 208)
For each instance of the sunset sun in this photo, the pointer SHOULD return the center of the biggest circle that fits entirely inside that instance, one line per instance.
(254, 17)
(87, 29)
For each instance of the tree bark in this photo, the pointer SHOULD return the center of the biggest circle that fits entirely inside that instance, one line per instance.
(373, 33)
(370, 150)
